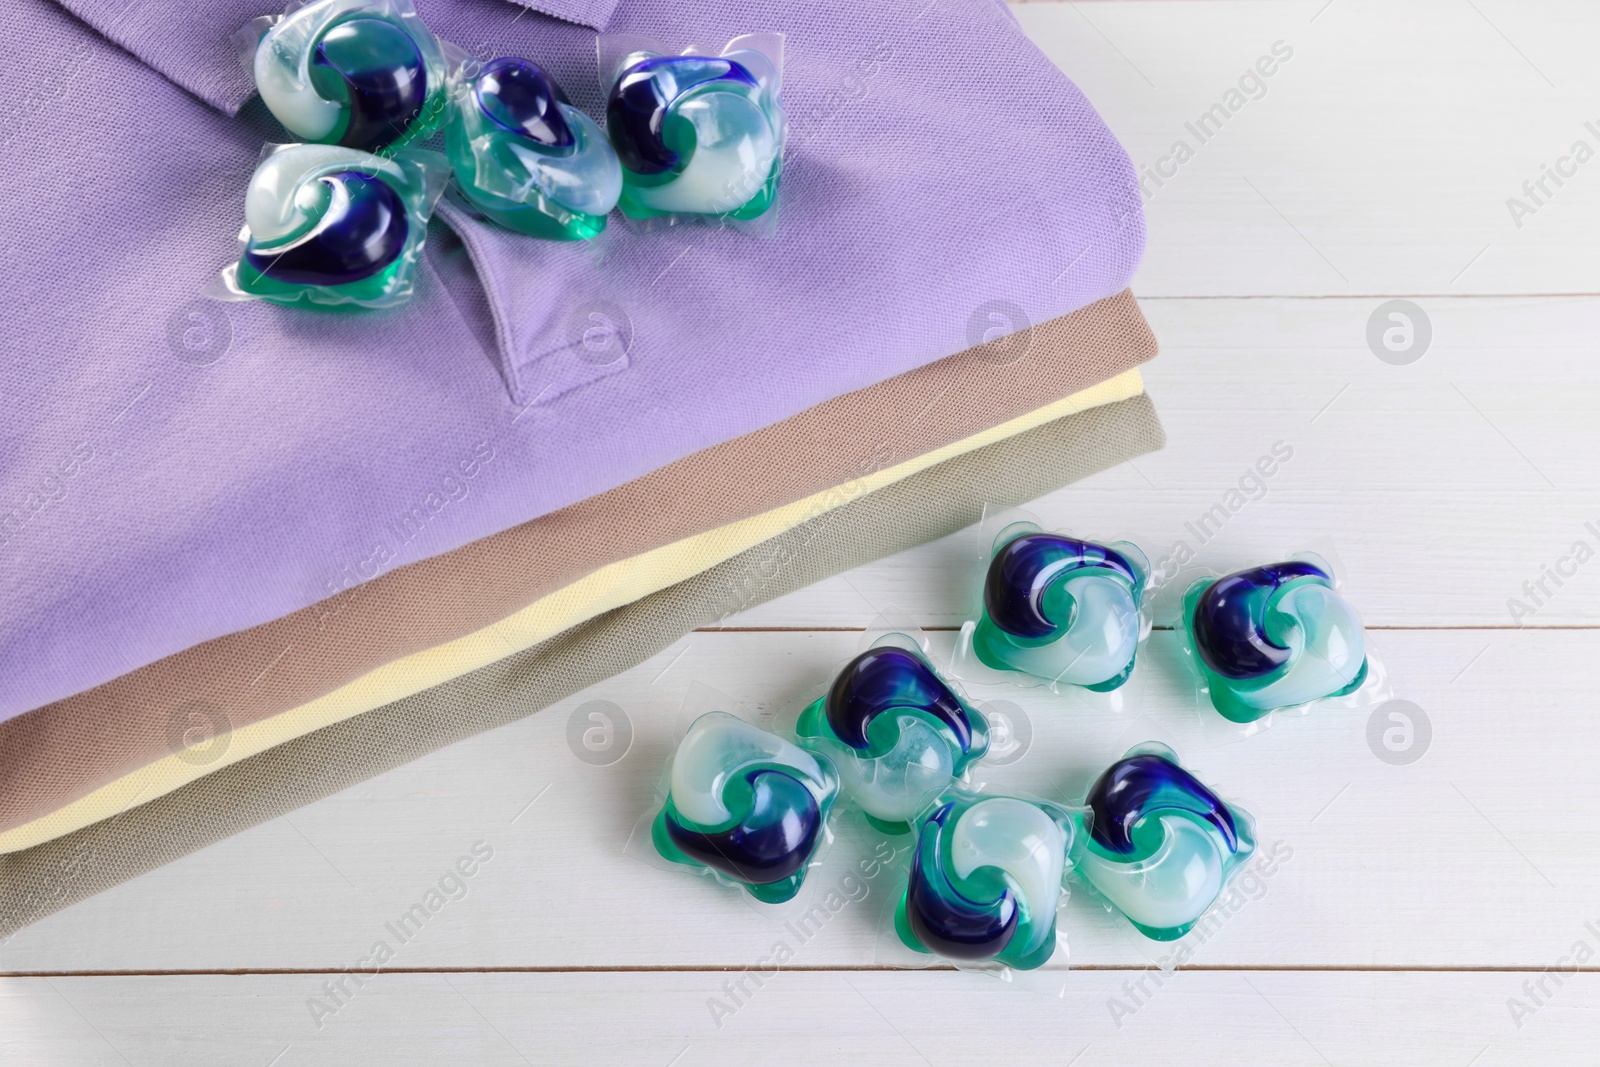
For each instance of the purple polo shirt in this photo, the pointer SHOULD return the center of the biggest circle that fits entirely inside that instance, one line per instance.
(173, 468)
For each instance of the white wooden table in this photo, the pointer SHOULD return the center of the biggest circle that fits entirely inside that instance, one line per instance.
(1443, 911)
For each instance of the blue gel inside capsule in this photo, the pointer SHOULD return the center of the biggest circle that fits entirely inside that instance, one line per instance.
(642, 100)
(517, 97)
(362, 231)
(773, 840)
(373, 67)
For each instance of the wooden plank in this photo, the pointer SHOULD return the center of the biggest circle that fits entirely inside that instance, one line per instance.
(1483, 450)
(1463, 858)
(1279, 1018)
(1379, 158)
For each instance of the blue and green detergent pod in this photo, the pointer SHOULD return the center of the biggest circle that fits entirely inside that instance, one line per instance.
(1062, 609)
(898, 733)
(985, 880)
(365, 74)
(1161, 845)
(698, 134)
(745, 805)
(332, 226)
(526, 158)
(1275, 636)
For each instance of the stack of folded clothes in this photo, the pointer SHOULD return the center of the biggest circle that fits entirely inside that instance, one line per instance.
(251, 555)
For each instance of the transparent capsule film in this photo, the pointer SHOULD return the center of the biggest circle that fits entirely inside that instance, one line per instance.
(594, 252)
(333, 227)
(898, 731)
(524, 157)
(699, 131)
(1171, 857)
(1280, 640)
(982, 885)
(1098, 586)
(740, 805)
(247, 38)
(365, 74)
(893, 624)
(1248, 886)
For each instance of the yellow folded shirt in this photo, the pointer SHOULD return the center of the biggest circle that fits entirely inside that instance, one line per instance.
(609, 587)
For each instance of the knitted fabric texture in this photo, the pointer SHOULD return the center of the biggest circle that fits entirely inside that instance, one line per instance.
(54, 755)
(200, 740)
(173, 469)
(939, 501)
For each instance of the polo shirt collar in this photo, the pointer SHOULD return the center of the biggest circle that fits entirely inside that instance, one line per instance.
(191, 43)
